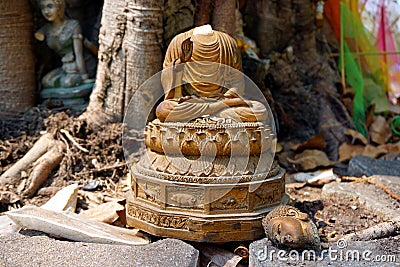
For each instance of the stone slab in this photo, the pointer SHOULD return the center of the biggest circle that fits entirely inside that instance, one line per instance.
(382, 252)
(371, 197)
(74, 227)
(361, 165)
(36, 249)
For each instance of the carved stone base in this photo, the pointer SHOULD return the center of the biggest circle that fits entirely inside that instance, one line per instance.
(213, 212)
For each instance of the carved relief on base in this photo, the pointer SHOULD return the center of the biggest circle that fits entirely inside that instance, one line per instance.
(269, 194)
(235, 199)
(148, 191)
(208, 197)
(161, 220)
(185, 197)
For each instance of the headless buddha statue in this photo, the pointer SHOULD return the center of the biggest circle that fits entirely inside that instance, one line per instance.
(211, 81)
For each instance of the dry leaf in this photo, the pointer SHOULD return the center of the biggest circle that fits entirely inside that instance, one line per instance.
(347, 151)
(392, 148)
(64, 200)
(106, 212)
(315, 142)
(380, 131)
(295, 185)
(48, 191)
(373, 151)
(356, 136)
(311, 159)
(284, 157)
(279, 148)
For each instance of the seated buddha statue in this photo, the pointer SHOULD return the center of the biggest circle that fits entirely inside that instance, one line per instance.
(202, 76)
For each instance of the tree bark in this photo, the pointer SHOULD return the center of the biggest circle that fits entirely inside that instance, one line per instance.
(302, 77)
(224, 16)
(129, 53)
(179, 16)
(203, 12)
(17, 70)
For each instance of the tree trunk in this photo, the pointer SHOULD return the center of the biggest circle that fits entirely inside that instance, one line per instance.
(203, 12)
(224, 16)
(302, 78)
(17, 70)
(129, 53)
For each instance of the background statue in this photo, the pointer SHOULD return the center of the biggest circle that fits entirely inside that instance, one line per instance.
(212, 81)
(64, 37)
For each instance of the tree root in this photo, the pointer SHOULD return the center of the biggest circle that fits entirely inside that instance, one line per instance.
(45, 155)
(12, 176)
(43, 167)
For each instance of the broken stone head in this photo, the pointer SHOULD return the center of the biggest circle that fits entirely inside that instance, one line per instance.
(287, 226)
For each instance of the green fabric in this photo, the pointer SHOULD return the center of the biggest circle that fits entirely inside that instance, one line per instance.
(363, 72)
(355, 80)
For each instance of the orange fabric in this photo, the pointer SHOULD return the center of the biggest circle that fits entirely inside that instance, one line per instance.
(332, 13)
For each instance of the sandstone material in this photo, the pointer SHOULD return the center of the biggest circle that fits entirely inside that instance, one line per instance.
(7, 225)
(74, 227)
(369, 195)
(23, 250)
(63, 200)
(361, 165)
(339, 253)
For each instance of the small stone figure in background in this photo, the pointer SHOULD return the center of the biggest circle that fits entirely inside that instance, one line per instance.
(70, 82)
(287, 226)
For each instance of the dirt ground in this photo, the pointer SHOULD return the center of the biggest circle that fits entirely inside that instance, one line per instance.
(103, 166)
(334, 217)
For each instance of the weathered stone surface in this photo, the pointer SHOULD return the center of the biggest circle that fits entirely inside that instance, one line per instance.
(373, 198)
(361, 165)
(23, 250)
(382, 252)
(63, 200)
(74, 227)
(7, 225)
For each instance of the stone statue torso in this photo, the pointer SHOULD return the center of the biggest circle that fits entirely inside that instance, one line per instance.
(61, 39)
(218, 48)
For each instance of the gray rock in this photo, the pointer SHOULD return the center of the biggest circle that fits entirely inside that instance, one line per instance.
(356, 253)
(361, 165)
(371, 197)
(40, 250)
